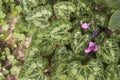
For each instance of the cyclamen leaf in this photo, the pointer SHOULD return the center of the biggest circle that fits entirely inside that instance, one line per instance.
(78, 42)
(112, 72)
(109, 53)
(114, 22)
(60, 68)
(113, 3)
(33, 72)
(39, 16)
(28, 4)
(47, 48)
(59, 30)
(64, 9)
(63, 55)
(93, 70)
(60, 74)
(101, 2)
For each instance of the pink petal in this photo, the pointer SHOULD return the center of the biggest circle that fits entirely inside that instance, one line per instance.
(95, 48)
(92, 44)
(97, 8)
(88, 50)
(85, 25)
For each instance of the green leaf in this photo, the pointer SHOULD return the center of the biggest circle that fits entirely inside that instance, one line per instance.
(79, 41)
(93, 70)
(2, 15)
(74, 71)
(63, 55)
(12, 59)
(18, 8)
(112, 72)
(59, 72)
(114, 22)
(59, 31)
(33, 70)
(64, 9)
(5, 72)
(5, 27)
(114, 3)
(1, 5)
(18, 36)
(21, 27)
(60, 68)
(15, 70)
(27, 5)
(109, 52)
(7, 51)
(25, 79)
(80, 77)
(2, 78)
(3, 36)
(46, 48)
(39, 16)
(101, 2)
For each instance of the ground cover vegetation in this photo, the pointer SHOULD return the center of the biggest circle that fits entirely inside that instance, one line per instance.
(59, 40)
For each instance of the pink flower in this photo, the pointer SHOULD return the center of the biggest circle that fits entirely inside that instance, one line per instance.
(85, 25)
(92, 47)
(97, 8)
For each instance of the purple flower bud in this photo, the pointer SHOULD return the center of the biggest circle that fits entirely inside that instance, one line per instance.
(94, 34)
(109, 31)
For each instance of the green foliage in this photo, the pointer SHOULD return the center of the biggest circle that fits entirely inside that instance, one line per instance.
(79, 41)
(33, 70)
(15, 70)
(59, 31)
(114, 22)
(27, 5)
(115, 3)
(109, 52)
(112, 72)
(52, 30)
(64, 9)
(18, 36)
(93, 70)
(59, 72)
(2, 15)
(39, 16)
